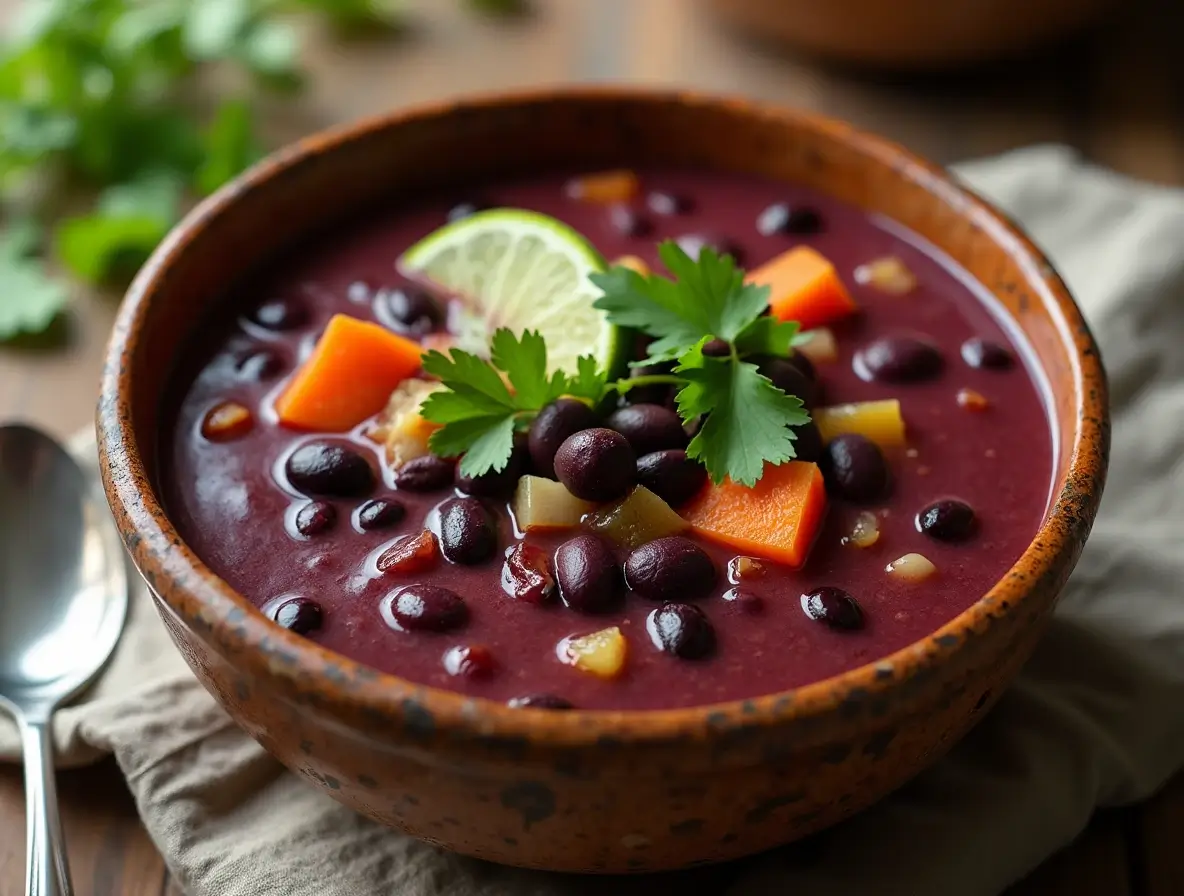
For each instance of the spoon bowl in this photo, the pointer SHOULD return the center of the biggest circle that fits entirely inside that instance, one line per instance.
(63, 603)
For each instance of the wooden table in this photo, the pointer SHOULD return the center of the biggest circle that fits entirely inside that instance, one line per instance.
(1117, 96)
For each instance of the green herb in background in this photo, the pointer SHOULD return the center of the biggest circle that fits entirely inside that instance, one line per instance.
(98, 97)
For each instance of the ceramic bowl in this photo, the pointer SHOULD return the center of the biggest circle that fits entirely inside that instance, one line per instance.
(589, 791)
(911, 34)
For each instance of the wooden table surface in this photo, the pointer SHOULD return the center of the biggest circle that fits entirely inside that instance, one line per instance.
(1118, 96)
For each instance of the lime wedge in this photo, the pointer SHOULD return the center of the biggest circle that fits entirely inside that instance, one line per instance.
(524, 271)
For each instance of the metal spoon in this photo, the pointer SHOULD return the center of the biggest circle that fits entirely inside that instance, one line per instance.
(63, 602)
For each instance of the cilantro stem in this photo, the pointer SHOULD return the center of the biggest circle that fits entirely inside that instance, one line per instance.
(653, 379)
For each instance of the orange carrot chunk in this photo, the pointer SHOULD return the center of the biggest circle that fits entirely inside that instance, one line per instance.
(777, 519)
(804, 286)
(348, 377)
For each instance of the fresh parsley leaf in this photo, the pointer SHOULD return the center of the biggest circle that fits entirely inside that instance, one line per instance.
(709, 298)
(470, 377)
(115, 239)
(654, 305)
(589, 381)
(747, 417)
(713, 290)
(524, 360)
(479, 414)
(486, 443)
(215, 27)
(230, 146)
(766, 336)
(29, 300)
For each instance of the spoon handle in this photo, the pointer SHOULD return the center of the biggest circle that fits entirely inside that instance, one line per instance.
(47, 873)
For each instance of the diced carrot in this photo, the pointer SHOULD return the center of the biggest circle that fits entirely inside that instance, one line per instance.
(804, 286)
(348, 377)
(604, 187)
(777, 519)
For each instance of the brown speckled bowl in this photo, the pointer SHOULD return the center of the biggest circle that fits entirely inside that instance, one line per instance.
(590, 791)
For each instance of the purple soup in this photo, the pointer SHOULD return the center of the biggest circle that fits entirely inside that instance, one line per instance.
(299, 521)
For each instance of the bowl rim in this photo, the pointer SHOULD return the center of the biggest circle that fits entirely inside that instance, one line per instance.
(223, 617)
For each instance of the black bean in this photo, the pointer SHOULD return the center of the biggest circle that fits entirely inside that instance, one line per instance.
(527, 576)
(467, 534)
(498, 484)
(855, 468)
(789, 378)
(300, 615)
(648, 427)
(589, 579)
(539, 701)
(261, 365)
(359, 291)
(280, 314)
(947, 520)
(661, 203)
(425, 608)
(552, 426)
(898, 359)
(408, 310)
(381, 513)
(834, 607)
(681, 630)
(628, 222)
(980, 353)
(782, 218)
(315, 517)
(745, 600)
(669, 568)
(466, 208)
(329, 469)
(596, 464)
(425, 474)
(671, 475)
(471, 661)
(808, 444)
(716, 348)
(804, 365)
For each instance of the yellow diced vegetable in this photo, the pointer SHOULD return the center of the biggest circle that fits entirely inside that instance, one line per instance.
(541, 504)
(639, 517)
(400, 427)
(601, 653)
(821, 347)
(880, 421)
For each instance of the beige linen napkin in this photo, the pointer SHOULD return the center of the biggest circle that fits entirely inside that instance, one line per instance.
(1096, 718)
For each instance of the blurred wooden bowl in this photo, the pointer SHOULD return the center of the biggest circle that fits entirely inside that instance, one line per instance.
(911, 34)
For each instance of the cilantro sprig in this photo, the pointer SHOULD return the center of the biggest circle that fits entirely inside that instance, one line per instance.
(480, 414)
(705, 320)
(110, 98)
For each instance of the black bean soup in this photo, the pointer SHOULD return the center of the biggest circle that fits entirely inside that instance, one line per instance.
(417, 571)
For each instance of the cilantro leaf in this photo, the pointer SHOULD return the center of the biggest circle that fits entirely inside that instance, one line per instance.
(130, 220)
(524, 361)
(747, 417)
(588, 383)
(767, 336)
(714, 291)
(485, 442)
(29, 300)
(708, 298)
(229, 146)
(470, 376)
(654, 305)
